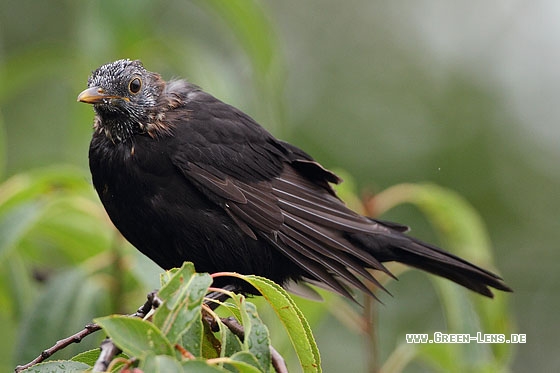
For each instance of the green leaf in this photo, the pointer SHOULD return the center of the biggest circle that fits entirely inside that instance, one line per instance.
(160, 364)
(192, 338)
(90, 357)
(200, 366)
(211, 346)
(245, 362)
(293, 319)
(62, 366)
(230, 343)
(136, 337)
(256, 340)
(87, 357)
(166, 276)
(182, 299)
(200, 341)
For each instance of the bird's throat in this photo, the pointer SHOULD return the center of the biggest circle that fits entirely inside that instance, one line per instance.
(116, 127)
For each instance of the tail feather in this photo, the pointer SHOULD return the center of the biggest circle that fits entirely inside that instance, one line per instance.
(397, 247)
(418, 254)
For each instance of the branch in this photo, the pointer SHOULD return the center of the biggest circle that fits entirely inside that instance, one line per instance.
(107, 354)
(153, 301)
(59, 345)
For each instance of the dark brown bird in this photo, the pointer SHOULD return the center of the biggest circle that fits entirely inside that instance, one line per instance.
(186, 177)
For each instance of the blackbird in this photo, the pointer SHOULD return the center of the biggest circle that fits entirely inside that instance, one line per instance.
(186, 177)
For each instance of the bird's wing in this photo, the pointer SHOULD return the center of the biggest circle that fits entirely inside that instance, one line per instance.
(302, 220)
(275, 192)
(299, 217)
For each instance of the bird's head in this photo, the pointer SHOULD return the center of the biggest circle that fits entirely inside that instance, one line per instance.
(125, 96)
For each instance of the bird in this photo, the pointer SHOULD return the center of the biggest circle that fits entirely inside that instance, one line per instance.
(186, 177)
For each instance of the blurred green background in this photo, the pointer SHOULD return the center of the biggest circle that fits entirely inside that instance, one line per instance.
(463, 95)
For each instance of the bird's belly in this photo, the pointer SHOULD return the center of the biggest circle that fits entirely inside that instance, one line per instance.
(173, 225)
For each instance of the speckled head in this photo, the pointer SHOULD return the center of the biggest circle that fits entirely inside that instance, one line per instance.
(124, 96)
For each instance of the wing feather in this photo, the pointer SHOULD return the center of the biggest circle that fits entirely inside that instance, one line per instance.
(346, 260)
(332, 239)
(331, 266)
(315, 270)
(222, 187)
(308, 223)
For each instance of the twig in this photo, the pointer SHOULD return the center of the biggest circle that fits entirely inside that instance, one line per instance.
(59, 345)
(278, 361)
(235, 327)
(153, 301)
(107, 354)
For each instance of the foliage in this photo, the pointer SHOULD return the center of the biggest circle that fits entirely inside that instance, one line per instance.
(177, 340)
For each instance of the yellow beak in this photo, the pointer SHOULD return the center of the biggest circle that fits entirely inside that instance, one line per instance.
(94, 95)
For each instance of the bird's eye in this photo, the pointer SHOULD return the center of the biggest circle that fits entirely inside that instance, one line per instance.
(135, 85)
